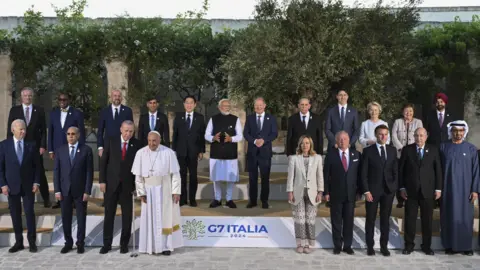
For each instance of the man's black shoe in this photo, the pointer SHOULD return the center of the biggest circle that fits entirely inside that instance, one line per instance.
(370, 252)
(251, 205)
(349, 251)
(193, 203)
(336, 251)
(80, 249)
(265, 205)
(215, 204)
(231, 204)
(105, 250)
(123, 249)
(16, 248)
(66, 249)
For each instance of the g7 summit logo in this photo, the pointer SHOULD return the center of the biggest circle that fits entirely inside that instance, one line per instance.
(193, 229)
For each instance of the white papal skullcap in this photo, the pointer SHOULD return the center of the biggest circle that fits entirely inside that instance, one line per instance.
(155, 132)
(457, 123)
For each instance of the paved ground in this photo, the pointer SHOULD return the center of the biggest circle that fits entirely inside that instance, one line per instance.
(232, 258)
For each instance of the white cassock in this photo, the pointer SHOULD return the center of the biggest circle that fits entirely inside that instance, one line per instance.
(157, 176)
(222, 169)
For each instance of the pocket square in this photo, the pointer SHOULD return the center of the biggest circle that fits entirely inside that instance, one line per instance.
(355, 160)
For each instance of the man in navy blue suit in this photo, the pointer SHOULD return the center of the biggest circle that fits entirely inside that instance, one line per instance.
(260, 130)
(72, 178)
(342, 117)
(19, 179)
(61, 119)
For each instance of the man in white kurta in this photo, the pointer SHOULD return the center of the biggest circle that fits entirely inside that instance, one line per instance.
(223, 131)
(158, 185)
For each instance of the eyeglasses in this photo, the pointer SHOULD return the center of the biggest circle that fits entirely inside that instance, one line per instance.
(72, 133)
(63, 99)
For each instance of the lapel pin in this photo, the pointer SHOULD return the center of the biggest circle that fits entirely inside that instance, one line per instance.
(464, 154)
(78, 151)
(348, 110)
(230, 127)
(183, 117)
(268, 118)
(310, 117)
(353, 154)
(69, 113)
(426, 151)
(158, 118)
(34, 110)
(123, 109)
(448, 114)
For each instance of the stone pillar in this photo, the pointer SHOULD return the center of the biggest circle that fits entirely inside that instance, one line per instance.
(117, 77)
(238, 109)
(473, 121)
(5, 93)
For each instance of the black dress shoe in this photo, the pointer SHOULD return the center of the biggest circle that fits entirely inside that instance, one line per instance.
(66, 249)
(33, 248)
(449, 251)
(428, 251)
(56, 206)
(80, 249)
(167, 252)
(370, 252)
(16, 248)
(407, 251)
(251, 205)
(336, 251)
(385, 252)
(215, 204)
(265, 205)
(468, 253)
(105, 250)
(231, 204)
(193, 203)
(182, 203)
(123, 249)
(349, 251)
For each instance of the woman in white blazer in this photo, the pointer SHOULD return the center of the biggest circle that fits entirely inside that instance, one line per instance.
(367, 129)
(305, 189)
(404, 128)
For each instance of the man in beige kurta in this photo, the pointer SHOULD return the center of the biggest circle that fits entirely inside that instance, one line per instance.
(158, 185)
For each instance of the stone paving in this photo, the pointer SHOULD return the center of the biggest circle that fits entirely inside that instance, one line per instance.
(232, 259)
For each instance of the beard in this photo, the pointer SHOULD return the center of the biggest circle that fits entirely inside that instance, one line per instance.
(440, 107)
(225, 113)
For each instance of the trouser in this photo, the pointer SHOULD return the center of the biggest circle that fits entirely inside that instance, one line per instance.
(385, 201)
(342, 215)
(264, 164)
(15, 205)
(217, 188)
(43, 182)
(124, 197)
(426, 215)
(190, 164)
(304, 215)
(67, 212)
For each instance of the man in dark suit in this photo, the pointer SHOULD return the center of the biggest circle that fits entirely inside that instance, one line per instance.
(260, 131)
(153, 120)
(379, 183)
(111, 118)
(118, 183)
(61, 119)
(342, 117)
(189, 143)
(19, 179)
(341, 174)
(304, 123)
(36, 133)
(420, 176)
(72, 178)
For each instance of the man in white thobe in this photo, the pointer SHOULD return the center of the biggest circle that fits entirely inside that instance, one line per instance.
(223, 132)
(157, 179)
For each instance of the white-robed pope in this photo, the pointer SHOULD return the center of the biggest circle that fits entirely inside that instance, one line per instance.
(157, 180)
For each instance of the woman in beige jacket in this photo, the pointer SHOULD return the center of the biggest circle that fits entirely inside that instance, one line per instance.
(305, 189)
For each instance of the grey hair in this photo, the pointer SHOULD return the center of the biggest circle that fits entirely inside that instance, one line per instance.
(18, 121)
(421, 129)
(223, 100)
(337, 135)
(259, 98)
(128, 122)
(26, 89)
(77, 130)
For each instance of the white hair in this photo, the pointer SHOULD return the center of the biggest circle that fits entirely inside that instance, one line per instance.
(458, 123)
(155, 132)
(18, 121)
(223, 100)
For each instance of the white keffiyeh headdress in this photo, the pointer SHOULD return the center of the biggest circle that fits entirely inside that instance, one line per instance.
(458, 123)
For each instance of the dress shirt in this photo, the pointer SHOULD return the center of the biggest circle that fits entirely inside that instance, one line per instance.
(191, 118)
(380, 150)
(63, 116)
(75, 148)
(113, 110)
(307, 118)
(30, 109)
(340, 110)
(262, 118)
(347, 152)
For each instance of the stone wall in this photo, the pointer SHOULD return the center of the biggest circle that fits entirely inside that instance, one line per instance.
(5, 93)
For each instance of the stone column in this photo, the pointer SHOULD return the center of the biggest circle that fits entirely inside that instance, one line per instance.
(473, 121)
(5, 92)
(238, 109)
(117, 77)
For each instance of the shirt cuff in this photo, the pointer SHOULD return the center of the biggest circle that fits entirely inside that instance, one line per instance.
(35, 184)
(254, 142)
(58, 193)
(366, 193)
(100, 148)
(50, 152)
(438, 191)
(402, 188)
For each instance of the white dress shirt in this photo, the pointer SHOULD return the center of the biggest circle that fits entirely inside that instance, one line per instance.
(113, 110)
(380, 150)
(122, 142)
(63, 116)
(443, 115)
(307, 118)
(340, 110)
(262, 118)
(191, 118)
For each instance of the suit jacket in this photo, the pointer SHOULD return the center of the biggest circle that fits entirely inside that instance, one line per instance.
(437, 134)
(376, 173)
(296, 129)
(73, 179)
(416, 174)
(161, 125)
(186, 141)
(57, 135)
(400, 138)
(15, 175)
(268, 133)
(36, 129)
(341, 185)
(334, 124)
(297, 177)
(107, 126)
(112, 169)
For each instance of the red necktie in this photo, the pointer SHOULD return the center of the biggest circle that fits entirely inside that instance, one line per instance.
(124, 150)
(344, 161)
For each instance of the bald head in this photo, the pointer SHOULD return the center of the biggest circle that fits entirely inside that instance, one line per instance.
(420, 136)
(19, 129)
(73, 133)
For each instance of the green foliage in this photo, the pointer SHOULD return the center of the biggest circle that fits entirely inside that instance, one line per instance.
(311, 48)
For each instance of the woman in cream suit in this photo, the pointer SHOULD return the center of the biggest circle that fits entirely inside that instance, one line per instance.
(305, 189)
(367, 129)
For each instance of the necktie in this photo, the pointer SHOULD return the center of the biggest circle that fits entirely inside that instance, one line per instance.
(64, 110)
(19, 152)
(189, 120)
(259, 123)
(383, 154)
(27, 115)
(344, 161)
(124, 150)
(152, 122)
(115, 117)
(420, 154)
(440, 119)
(304, 122)
(342, 114)
(72, 154)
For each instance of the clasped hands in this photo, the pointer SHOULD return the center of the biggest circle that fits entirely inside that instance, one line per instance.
(318, 199)
(228, 138)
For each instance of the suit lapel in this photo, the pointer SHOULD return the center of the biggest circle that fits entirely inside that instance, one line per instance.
(75, 157)
(377, 153)
(66, 125)
(33, 115)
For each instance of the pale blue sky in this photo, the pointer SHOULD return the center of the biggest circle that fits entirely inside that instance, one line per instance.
(224, 9)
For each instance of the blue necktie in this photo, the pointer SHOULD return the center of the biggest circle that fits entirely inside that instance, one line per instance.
(19, 152)
(189, 121)
(152, 122)
(342, 115)
(72, 154)
(259, 123)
